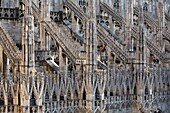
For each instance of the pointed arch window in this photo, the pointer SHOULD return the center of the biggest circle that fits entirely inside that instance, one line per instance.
(116, 4)
(83, 4)
(145, 7)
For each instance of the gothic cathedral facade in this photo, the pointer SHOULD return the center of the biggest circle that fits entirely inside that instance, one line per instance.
(84, 56)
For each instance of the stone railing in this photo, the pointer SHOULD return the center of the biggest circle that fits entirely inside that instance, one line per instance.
(82, 58)
(73, 33)
(112, 43)
(35, 10)
(77, 42)
(154, 49)
(112, 12)
(149, 19)
(112, 38)
(43, 54)
(9, 13)
(10, 48)
(63, 105)
(121, 99)
(56, 16)
(82, 55)
(75, 105)
(77, 10)
(135, 31)
(156, 96)
(151, 46)
(63, 40)
(50, 92)
(166, 35)
(8, 109)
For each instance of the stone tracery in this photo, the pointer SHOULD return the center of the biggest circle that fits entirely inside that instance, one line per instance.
(107, 60)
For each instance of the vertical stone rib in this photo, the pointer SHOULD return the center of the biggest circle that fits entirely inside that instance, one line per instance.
(91, 36)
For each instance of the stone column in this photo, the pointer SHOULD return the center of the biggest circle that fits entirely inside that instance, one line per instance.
(131, 12)
(42, 36)
(15, 98)
(60, 59)
(41, 27)
(8, 67)
(142, 36)
(163, 26)
(31, 43)
(1, 59)
(4, 64)
(23, 36)
(122, 8)
(39, 110)
(142, 55)
(16, 110)
(111, 24)
(45, 41)
(49, 41)
(47, 10)
(110, 60)
(14, 71)
(6, 109)
(91, 38)
(160, 21)
(66, 69)
(91, 51)
(77, 27)
(42, 8)
(73, 21)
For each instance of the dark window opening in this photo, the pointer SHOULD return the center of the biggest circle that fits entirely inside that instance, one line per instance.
(111, 93)
(54, 98)
(84, 95)
(61, 97)
(6, 15)
(33, 100)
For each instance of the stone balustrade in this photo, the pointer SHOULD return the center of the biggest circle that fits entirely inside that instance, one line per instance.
(156, 96)
(8, 109)
(147, 17)
(77, 10)
(82, 55)
(74, 34)
(115, 13)
(9, 13)
(63, 40)
(9, 46)
(36, 10)
(154, 49)
(112, 38)
(112, 43)
(43, 54)
(51, 92)
(119, 99)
